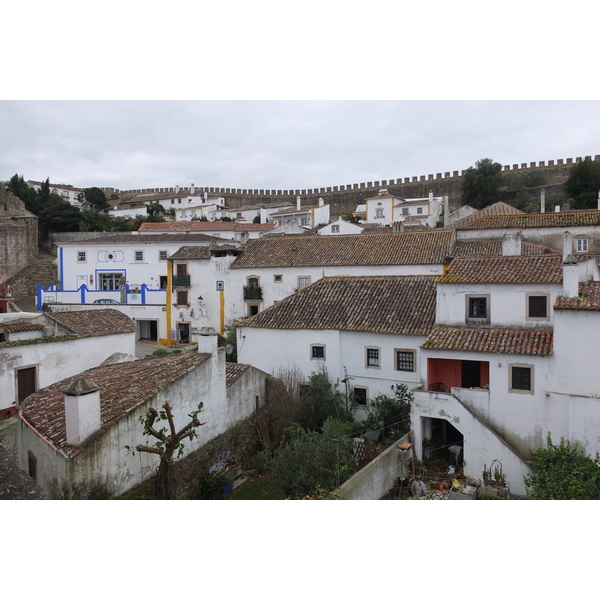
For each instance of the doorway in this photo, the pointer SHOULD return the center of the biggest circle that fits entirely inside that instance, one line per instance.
(26, 383)
(183, 333)
(147, 330)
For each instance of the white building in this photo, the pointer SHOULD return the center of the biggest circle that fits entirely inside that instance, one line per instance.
(75, 432)
(340, 227)
(68, 192)
(385, 209)
(232, 231)
(37, 349)
(307, 216)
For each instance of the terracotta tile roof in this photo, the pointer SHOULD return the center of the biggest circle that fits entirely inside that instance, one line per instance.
(294, 210)
(401, 305)
(20, 327)
(122, 387)
(89, 323)
(505, 269)
(528, 220)
(408, 248)
(496, 209)
(588, 298)
(497, 340)
(191, 253)
(199, 226)
(149, 238)
(233, 371)
(494, 248)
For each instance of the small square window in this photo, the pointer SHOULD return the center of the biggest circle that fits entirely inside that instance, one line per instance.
(139, 255)
(405, 212)
(252, 309)
(420, 210)
(405, 360)
(335, 229)
(537, 306)
(478, 308)
(317, 352)
(277, 278)
(521, 378)
(360, 396)
(81, 257)
(373, 357)
(163, 255)
(582, 245)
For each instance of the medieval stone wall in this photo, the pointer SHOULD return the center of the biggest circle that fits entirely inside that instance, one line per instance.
(345, 198)
(18, 235)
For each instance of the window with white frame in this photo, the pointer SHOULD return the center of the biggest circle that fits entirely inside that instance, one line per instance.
(277, 278)
(335, 229)
(379, 213)
(317, 352)
(139, 255)
(582, 245)
(419, 210)
(405, 360)
(405, 212)
(521, 378)
(304, 222)
(478, 308)
(303, 282)
(163, 255)
(372, 357)
(81, 256)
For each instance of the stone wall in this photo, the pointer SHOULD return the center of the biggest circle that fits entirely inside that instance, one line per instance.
(345, 198)
(18, 232)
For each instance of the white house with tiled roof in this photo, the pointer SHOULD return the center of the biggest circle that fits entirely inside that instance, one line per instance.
(235, 231)
(305, 216)
(365, 331)
(68, 192)
(41, 348)
(74, 433)
(386, 209)
(494, 359)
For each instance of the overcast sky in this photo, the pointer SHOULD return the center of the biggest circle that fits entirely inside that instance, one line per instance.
(281, 144)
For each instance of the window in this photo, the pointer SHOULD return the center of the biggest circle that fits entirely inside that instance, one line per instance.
(32, 465)
(317, 352)
(277, 278)
(582, 245)
(109, 281)
(478, 309)
(373, 357)
(335, 229)
(139, 255)
(304, 222)
(537, 306)
(182, 298)
(521, 379)
(360, 396)
(405, 360)
(252, 309)
(163, 279)
(303, 282)
(420, 210)
(405, 212)
(379, 213)
(163, 255)
(81, 257)
(181, 269)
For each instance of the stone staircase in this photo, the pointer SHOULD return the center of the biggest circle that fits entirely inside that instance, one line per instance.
(38, 271)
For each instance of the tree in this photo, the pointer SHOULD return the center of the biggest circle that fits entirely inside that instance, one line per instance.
(320, 401)
(481, 184)
(59, 215)
(583, 184)
(25, 193)
(95, 198)
(391, 413)
(155, 209)
(168, 440)
(563, 473)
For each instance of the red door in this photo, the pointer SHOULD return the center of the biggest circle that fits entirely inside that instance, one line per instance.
(26, 383)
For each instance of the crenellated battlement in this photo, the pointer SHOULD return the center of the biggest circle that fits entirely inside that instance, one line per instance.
(558, 165)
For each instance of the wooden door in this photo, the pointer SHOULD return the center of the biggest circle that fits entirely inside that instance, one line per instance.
(26, 383)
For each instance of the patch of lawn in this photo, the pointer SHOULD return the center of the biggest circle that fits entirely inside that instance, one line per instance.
(261, 488)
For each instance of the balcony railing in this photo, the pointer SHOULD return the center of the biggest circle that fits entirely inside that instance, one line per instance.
(252, 293)
(181, 281)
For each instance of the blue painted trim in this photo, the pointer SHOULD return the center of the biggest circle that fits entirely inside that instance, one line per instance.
(83, 290)
(61, 267)
(143, 292)
(39, 291)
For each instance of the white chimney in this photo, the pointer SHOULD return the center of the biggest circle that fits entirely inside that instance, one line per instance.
(446, 211)
(511, 244)
(298, 203)
(570, 277)
(192, 188)
(264, 217)
(82, 410)
(430, 195)
(208, 342)
(177, 189)
(598, 200)
(567, 247)
(543, 200)
(321, 202)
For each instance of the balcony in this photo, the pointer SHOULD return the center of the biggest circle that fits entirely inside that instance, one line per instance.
(181, 281)
(252, 293)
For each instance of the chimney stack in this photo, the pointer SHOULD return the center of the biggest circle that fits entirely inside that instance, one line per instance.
(567, 248)
(543, 200)
(511, 244)
(298, 203)
(208, 342)
(570, 277)
(321, 202)
(446, 211)
(192, 189)
(82, 410)
(430, 195)
(598, 200)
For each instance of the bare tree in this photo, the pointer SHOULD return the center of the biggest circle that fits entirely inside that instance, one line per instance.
(168, 440)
